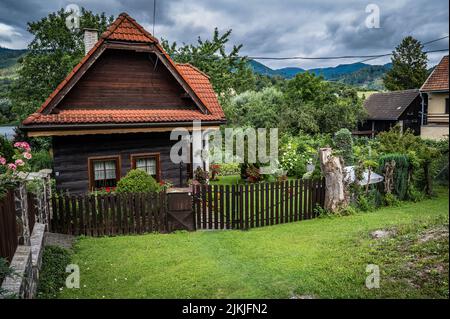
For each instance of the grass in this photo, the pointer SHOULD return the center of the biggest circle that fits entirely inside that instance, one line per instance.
(323, 258)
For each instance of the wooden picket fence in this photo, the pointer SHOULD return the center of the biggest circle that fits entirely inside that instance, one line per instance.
(108, 215)
(256, 205)
(8, 227)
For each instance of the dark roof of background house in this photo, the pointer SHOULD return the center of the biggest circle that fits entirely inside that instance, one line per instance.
(438, 79)
(389, 105)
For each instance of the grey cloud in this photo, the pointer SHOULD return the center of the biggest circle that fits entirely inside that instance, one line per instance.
(267, 27)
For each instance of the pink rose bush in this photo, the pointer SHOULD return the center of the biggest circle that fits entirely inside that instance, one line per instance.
(22, 154)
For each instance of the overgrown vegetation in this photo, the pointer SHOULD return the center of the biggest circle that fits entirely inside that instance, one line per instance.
(53, 274)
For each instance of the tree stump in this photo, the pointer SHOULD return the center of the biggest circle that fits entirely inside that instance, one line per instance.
(335, 190)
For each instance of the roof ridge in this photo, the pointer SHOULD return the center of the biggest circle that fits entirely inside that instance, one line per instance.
(121, 19)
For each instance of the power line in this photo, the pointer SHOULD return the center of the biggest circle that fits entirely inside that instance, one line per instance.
(368, 57)
(446, 37)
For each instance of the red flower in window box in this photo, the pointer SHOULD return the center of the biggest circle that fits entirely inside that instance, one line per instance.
(109, 189)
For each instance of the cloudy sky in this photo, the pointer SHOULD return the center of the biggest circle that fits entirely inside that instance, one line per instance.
(265, 27)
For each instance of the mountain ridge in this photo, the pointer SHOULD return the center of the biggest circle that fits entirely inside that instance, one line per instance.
(357, 74)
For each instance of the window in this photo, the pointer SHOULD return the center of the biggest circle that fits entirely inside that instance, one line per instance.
(104, 172)
(147, 162)
(446, 106)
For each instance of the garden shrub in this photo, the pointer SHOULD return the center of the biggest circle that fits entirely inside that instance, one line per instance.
(227, 169)
(343, 143)
(137, 181)
(201, 176)
(366, 203)
(53, 274)
(6, 148)
(401, 172)
(391, 200)
(41, 160)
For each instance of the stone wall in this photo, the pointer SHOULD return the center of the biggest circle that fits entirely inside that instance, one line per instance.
(27, 262)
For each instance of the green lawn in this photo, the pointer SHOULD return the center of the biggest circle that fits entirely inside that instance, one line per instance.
(323, 258)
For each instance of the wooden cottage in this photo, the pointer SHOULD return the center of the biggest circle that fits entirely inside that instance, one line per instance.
(116, 109)
(386, 110)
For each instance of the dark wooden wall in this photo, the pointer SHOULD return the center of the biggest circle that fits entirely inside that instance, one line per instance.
(127, 80)
(411, 116)
(71, 155)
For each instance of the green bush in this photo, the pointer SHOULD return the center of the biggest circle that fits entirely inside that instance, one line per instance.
(366, 203)
(53, 274)
(41, 160)
(401, 172)
(343, 143)
(227, 169)
(391, 200)
(6, 149)
(137, 181)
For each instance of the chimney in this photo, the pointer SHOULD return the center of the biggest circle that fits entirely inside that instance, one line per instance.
(90, 39)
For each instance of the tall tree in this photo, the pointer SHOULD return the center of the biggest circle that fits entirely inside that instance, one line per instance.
(229, 72)
(52, 54)
(409, 66)
(312, 105)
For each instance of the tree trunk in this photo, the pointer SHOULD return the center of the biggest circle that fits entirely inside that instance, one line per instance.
(333, 170)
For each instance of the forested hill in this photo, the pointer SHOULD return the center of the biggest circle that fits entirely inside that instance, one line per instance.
(356, 74)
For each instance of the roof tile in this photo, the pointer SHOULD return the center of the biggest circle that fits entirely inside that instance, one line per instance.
(438, 79)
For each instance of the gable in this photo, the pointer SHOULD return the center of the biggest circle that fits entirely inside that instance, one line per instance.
(126, 80)
(122, 79)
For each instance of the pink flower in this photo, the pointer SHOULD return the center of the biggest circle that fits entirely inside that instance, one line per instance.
(2, 160)
(19, 162)
(23, 145)
(27, 155)
(12, 166)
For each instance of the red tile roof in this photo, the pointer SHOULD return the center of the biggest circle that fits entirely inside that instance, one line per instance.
(438, 79)
(127, 29)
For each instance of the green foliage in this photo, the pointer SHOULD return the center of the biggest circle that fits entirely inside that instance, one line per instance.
(292, 161)
(255, 109)
(227, 169)
(6, 149)
(41, 160)
(400, 172)
(5, 271)
(137, 181)
(52, 54)
(343, 142)
(53, 274)
(367, 203)
(391, 200)
(312, 105)
(227, 71)
(422, 154)
(409, 66)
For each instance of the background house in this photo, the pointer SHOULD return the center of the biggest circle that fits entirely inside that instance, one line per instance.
(385, 110)
(434, 94)
(115, 111)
